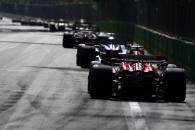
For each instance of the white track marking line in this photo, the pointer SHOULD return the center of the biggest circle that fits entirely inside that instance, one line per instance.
(128, 117)
(137, 116)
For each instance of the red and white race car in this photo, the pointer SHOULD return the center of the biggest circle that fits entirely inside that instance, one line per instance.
(137, 76)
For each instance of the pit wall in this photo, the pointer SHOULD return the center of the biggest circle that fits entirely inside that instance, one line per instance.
(178, 51)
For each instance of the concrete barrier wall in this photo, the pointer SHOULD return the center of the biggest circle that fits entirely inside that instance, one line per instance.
(178, 51)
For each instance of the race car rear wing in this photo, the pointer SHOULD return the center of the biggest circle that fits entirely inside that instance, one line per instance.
(144, 57)
(141, 59)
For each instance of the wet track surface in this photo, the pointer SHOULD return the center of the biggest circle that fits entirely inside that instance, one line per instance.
(41, 88)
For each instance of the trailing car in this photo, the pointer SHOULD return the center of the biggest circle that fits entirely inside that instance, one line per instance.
(57, 25)
(30, 21)
(73, 39)
(16, 20)
(137, 76)
(85, 37)
(61, 25)
(104, 51)
(83, 33)
(52, 26)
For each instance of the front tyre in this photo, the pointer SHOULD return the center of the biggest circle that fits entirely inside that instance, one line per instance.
(100, 81)
(78, 55)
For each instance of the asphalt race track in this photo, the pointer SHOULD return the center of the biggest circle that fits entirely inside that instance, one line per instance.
(41, 88)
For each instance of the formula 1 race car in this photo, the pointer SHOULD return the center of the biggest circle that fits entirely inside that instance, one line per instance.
(80, 34)
(57, 25)
(85, 37)
(107, 49)
(52, 26)
(73, 39)
(137, 76)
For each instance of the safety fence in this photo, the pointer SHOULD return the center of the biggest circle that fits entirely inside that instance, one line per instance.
(178, 51)
(173, 17)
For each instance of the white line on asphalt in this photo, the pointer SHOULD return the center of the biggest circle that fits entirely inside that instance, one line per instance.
(128, 116)
(138, 117)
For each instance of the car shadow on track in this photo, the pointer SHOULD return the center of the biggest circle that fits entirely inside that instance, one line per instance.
(59, 68)
(139, 99)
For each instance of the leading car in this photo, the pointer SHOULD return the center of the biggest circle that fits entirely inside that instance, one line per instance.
(137, 76)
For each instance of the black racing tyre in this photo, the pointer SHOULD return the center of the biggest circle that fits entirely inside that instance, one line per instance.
(100, 81)
(52, 28)
(68, 41)
(171, 66)
(87, 54)
(78, 54)
(175, 85)
(90, 68)
(45, 25)
(61, 28)
(14, 20)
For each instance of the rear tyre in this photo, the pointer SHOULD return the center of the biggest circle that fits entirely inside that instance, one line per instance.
(68, 41)
(52, 28)
(78, 55)
(100, 82)
(90, 70)
(175, 85)
(87, 54)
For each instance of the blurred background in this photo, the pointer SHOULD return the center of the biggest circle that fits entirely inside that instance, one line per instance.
(162, 26)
